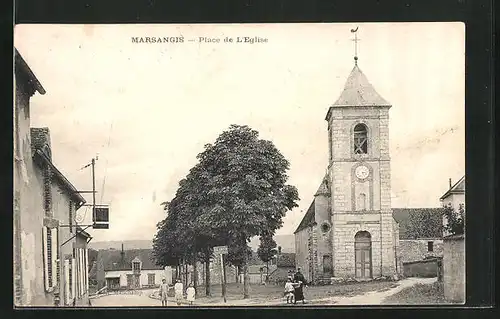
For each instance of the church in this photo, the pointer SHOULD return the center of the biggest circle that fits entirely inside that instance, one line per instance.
(349, 230)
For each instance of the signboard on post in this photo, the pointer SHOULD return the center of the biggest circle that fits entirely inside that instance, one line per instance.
(222, 250)
(219, 250)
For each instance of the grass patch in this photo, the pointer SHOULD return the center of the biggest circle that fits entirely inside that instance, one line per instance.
(419, 294)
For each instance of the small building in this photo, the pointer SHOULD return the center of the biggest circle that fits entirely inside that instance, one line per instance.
(420, 233)
(129, 269)
(285, 265)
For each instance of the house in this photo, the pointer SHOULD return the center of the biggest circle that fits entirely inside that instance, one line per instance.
(28, 282)
(129, 269)
(45, 203)
(65, 244)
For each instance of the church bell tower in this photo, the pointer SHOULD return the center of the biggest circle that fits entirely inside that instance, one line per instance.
(363, 228)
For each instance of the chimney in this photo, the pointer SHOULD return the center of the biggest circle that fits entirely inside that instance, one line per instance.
(449, 180)
(122, 254)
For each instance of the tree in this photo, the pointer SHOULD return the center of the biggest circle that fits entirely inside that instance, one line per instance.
(416, 220)
(266, 250)
(455, 219)
(244, 189)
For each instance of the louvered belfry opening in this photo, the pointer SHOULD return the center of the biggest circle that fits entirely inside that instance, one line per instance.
(360, 139)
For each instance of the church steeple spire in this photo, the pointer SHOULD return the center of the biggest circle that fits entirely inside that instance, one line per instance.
(355, 31)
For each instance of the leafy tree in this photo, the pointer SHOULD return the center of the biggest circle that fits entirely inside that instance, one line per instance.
(237, 190)
(455, 219)
(266, 250)
(244, 189)
(417, 219)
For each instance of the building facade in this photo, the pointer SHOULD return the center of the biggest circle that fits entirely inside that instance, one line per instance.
(349, 229)
(129, 269)
(45, 204)
(27, 216)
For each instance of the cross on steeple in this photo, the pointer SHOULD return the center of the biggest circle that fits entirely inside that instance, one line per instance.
(355, 31)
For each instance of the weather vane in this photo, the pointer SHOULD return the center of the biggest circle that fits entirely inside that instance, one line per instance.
(355, 31)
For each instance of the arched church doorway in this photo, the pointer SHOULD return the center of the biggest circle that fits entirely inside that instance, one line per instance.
(363, 254)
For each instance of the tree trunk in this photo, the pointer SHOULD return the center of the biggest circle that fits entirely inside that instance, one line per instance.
(246, 278)
(186, 275)
(207, 275)
(267, 271)
(195, 274)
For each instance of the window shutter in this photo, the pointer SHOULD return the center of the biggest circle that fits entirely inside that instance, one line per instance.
(86, 271)
(55, 257)
(73, 278)
(67, 281)
(47, 258)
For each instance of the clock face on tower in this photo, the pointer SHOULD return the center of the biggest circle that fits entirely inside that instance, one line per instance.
(362, 172)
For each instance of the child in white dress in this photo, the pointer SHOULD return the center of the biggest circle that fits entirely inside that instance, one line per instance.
(191, 293)
(289, 288)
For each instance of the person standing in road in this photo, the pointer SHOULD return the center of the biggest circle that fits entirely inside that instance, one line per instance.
(164, 292)
(191, 293)
(300, 282)
(179, 292)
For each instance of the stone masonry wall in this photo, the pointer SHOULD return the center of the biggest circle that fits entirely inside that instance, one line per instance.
(454, 268)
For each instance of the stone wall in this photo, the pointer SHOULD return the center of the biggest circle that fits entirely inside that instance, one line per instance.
(423, 268)
(302, 253)
(416, 249)
(454, 268)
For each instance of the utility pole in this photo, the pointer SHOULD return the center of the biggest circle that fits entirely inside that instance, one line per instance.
(93, 190)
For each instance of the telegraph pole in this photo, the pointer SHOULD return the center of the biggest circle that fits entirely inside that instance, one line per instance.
(93, 190)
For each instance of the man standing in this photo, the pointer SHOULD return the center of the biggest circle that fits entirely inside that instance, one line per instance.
(164, 292)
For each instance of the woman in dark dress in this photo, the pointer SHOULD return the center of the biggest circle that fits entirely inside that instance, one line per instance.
(298, 292)
(299, 283)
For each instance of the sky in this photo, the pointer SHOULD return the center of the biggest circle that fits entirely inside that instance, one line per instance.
(147, 109)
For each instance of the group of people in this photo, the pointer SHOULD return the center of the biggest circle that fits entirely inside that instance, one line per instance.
(294, 288)
(178, 292)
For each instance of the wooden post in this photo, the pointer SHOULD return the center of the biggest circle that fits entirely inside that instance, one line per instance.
(223, 276)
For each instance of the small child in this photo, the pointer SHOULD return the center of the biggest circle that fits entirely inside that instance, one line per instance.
(164, 292)
(191, 293)
(289, 288)
(179, 290)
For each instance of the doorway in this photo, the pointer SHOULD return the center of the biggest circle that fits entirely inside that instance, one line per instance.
(363, 254)
(327, 266)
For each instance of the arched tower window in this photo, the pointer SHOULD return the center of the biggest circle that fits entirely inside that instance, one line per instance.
(360, 139)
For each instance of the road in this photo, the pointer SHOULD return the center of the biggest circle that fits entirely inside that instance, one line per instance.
(139, 299)
(142, 299)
